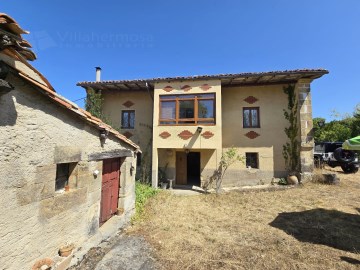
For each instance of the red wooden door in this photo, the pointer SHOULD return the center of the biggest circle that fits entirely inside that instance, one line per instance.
(110, 188)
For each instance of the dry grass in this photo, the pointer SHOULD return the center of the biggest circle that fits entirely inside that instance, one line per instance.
(311, 227)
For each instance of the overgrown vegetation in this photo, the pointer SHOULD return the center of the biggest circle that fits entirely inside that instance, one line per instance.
(94, 103)
(145, 167)
(142, 192)
(342, 128)
(291, 148)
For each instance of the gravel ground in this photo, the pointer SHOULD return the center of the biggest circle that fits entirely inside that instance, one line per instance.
(121, 252)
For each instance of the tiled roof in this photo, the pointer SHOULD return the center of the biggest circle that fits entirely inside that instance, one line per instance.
(14, 49)
(226, 79)
(10, 33)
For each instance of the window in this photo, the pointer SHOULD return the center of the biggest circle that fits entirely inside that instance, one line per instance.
(128, 119)
(252, 160)
(251, 118)
(65, 176)
(187, 109)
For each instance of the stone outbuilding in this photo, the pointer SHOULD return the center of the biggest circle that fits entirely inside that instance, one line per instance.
(64, 173)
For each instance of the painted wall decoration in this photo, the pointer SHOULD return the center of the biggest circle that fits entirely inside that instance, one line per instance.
(252, 134)
(205, 87)
(251, 99)
(128, 104)
(164, 134)
(207, 134)
(168, 88)
(128, 134)
(186, 88)
(185, 135)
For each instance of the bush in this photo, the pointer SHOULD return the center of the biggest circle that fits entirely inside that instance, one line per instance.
(142, 192)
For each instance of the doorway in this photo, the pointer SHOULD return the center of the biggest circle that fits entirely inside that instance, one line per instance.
(188, 168)
(109, 189)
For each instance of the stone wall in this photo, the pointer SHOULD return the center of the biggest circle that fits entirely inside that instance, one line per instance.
(35, 135)
(306, 132)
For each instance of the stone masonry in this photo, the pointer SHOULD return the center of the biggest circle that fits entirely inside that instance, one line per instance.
(306, 131)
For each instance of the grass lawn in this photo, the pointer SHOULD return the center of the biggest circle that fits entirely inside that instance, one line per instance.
(310, 227)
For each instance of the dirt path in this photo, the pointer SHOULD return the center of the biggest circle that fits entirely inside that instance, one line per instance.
(121, 252)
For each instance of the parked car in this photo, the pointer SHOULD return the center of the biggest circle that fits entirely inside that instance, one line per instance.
(334, 155)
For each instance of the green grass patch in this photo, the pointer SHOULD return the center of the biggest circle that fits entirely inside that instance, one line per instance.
(143, 192)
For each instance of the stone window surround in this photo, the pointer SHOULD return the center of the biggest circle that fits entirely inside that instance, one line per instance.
(72, 175)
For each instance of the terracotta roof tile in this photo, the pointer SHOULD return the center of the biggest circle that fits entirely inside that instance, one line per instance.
(319, 72)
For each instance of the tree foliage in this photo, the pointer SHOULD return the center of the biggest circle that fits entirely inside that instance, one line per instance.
(94, 103)
(338, 130)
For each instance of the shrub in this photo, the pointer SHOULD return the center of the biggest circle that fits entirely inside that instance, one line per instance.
(142, 192)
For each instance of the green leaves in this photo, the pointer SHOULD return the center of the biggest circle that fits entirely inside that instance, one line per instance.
(338, 130)
(291, 148)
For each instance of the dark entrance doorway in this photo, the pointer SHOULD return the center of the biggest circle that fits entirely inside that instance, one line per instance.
(110, 188)
(188, 168)
(193, 168)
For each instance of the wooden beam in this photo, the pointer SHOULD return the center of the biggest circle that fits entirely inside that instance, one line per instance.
(110, 154)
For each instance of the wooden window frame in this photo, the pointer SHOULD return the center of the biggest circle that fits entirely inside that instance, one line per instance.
(257, 159)
(258, 117)
(122, 117)
(196, 119)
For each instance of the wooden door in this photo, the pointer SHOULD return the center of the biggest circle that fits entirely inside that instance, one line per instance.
(110, 188)
(181, 168)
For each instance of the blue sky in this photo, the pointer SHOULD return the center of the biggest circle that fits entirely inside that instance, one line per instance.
(145, 39)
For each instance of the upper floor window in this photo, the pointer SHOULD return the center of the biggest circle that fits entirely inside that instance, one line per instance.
(187, 109)
(128, 119)
(251, 118)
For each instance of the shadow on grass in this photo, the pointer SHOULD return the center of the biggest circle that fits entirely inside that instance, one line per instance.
(321, 226)
(350, 260)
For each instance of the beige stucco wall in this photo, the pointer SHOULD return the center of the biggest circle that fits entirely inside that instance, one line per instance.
(208, 162)
(174, 141)
(271, 101)
(35, 134)
(228, 131)
(143, 106)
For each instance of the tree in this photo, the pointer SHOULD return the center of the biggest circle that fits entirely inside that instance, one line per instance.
(228, 158)
(355, 129)
(338, 130)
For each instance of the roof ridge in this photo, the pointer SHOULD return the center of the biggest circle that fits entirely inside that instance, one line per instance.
(219, 75)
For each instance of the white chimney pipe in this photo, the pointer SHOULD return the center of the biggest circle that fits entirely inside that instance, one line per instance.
(98, 73)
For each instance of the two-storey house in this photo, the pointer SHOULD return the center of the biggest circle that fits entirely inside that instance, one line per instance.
(184, 124)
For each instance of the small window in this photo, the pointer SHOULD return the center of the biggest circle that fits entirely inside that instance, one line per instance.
(65, 176)
(252, 160)
(128, 119)
(251, 118)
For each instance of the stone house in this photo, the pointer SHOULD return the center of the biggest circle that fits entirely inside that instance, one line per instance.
(186, 123)
(63, 172)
